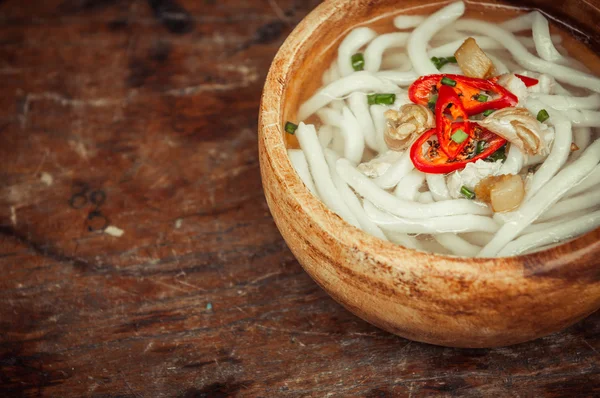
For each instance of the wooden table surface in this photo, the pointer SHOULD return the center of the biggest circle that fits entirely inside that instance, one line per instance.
(139, 117)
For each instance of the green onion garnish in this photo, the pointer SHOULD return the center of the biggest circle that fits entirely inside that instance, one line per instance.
(543, 115)
(467, 193)
(482, 98)
(459, 136)
(291, 128)
(480, 147)
(441, 61)
(446, 81)
(432, 102)
(358, 62)
(488, 112)
(500, 154)
(381, 99)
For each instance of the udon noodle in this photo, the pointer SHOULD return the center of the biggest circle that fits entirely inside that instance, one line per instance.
(455, 135)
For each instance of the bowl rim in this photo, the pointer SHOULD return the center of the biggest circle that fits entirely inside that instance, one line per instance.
(271, 138)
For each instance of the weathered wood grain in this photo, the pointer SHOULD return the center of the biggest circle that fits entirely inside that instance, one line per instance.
(143, 116)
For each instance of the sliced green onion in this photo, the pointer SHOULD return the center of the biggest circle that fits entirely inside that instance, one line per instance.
(480, 147)
(500, 154)
(432, 102)
(381, 99)
(482, 98)
(358, 62)
(446, 81)
(439, 62)
(543, 115)
(459, 136)
(291, 128)
(467, 193)
(488, 112)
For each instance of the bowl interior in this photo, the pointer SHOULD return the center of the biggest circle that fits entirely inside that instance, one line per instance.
(316, 40)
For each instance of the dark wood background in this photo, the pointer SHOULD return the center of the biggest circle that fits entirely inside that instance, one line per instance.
(142, 115)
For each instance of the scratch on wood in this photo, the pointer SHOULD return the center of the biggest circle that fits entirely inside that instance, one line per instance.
(263, 277)
(13, 216)
(248, 75)
(278, 11)
(589, 345)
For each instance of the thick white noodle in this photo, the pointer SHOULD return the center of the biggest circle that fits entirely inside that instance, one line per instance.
(374, 52)
(354, 141)
(437, 187)
(589, 182)
(408, 21)
(478, 238)
(436, 225)
(426, 197)
(448, 49)
(353, 42)
(457, 245)
(332, 74)
(520, 23)
(403, 208)
(583, 117)
(452, 69)
(337, 104)
(514, 161)
(307, 137)
(419, 38)
(543, 42)
(404, 240)
(325, 135)
(558, 233)
(506, 61)
(541, 226)
(377, 113)
(402, 79)
(560, 90)
(563, 102)
(337, 144)
(532, 160)
(359, 105)
(408, 187)
(582, 137)
(450, 34)
(525, 58)
(547, 196)
(358, 81)
(584, 201)
(396, 172)
(330, 116)
(301, 166)
(561, 148)
(350, 198)
(499, 65)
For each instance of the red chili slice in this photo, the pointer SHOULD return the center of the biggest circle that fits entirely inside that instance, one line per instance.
(468, 88)
(529, 81)
(435, 161)
(447, 97)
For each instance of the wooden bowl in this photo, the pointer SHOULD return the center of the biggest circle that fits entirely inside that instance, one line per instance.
(450, 301)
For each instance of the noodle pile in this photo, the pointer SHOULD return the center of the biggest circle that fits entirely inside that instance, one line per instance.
(345, 161)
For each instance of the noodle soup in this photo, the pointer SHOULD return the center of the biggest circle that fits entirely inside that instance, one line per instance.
(450, 134)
